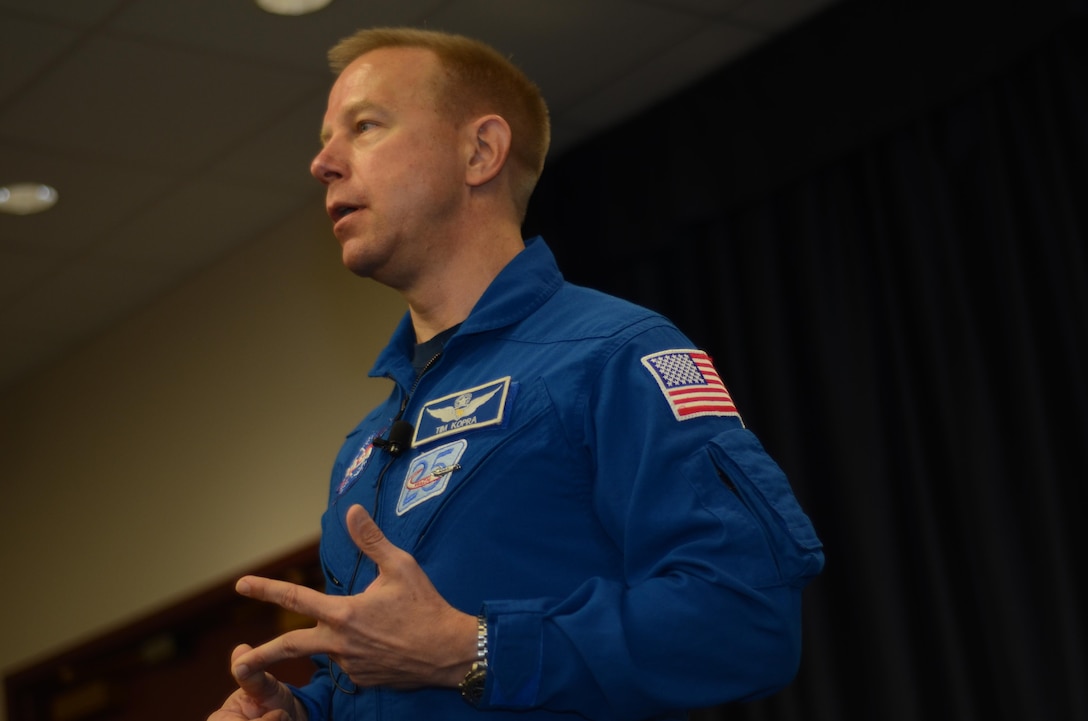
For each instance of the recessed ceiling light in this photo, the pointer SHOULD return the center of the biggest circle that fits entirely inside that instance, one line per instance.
(26, 198)
(292, 7)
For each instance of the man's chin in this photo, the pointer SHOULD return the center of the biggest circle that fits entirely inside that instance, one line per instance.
(369, 267)
(355, 258)
(361, 269)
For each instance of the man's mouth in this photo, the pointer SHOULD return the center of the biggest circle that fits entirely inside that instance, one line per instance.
(340, 211)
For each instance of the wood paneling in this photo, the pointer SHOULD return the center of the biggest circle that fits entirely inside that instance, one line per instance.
(171, 664)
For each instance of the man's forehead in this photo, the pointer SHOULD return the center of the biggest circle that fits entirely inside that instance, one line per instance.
(421, 62)
(379, 80)
(387, 72)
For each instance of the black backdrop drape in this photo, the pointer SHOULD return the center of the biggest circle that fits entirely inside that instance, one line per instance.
(877, 227)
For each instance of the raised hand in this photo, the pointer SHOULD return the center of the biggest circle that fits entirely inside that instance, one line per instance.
(399, 632)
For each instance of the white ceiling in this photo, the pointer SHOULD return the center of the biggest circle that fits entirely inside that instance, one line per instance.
(175, 130)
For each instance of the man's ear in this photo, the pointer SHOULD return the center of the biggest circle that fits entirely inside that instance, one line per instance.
(490, 149)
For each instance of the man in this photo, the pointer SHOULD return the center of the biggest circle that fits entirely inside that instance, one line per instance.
(558, 509)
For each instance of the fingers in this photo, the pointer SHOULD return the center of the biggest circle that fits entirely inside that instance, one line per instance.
(291, 596)
(261, 691)
(249, 667)
(251, 678)
(249, 664)
(257, 684)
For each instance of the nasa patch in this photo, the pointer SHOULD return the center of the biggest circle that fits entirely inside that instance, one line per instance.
(469, 409)
(429, 475)
(357, 465)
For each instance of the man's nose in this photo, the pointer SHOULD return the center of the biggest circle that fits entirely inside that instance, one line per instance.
(325, 167)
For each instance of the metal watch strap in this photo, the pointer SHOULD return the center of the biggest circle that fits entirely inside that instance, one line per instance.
(472, 685)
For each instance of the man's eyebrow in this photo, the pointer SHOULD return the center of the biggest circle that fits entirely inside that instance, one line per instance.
(348, 112)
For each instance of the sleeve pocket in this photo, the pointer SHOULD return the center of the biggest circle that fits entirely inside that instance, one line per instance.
(762, 488)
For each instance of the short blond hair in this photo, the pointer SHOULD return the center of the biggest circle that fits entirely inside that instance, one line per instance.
(479, 80)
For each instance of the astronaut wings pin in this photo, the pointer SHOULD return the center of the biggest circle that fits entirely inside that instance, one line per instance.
(468, 409)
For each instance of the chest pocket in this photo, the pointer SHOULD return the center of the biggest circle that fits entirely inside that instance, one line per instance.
(449, 462)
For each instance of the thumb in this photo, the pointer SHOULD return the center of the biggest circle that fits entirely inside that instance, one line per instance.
(256, 684)
(238, 652)
(368, 537)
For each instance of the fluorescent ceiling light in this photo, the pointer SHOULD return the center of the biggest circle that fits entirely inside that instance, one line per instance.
(26, 198)
(292, 7)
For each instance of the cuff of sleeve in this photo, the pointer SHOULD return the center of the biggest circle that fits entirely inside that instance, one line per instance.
(515, 650)
(313, 708)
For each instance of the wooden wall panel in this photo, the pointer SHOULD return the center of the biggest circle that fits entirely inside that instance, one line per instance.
(171, 664)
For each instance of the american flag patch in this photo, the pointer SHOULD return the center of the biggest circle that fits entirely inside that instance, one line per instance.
(690, 384)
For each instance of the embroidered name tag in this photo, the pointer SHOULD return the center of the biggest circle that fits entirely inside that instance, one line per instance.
(429, 475)
(465, 410)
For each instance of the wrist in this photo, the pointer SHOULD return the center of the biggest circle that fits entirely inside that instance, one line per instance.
(459, 651)
(472, 685)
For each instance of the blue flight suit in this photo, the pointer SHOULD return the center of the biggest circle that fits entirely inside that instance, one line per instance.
(579, 474)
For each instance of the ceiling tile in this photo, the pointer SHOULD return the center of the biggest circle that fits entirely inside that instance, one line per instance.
(94, 197)
(239, 27)
(20, 271)
(200, 222)
(150, 104)
(279, 156)
(81, 12)
(26, 47)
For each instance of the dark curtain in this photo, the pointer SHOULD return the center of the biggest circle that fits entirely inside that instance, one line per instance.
(897, 297)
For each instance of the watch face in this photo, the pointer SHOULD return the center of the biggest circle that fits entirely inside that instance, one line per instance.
(472, 687)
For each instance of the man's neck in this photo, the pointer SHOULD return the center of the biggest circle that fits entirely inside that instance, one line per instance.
(446, 300)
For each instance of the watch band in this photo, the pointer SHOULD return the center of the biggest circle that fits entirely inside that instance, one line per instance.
(472, 685)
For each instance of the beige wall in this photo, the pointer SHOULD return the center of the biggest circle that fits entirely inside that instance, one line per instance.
(189, 442)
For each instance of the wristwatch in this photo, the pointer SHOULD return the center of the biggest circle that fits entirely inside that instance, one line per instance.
(472, 685)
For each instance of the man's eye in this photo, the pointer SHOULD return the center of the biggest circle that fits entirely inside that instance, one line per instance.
(364, 125)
